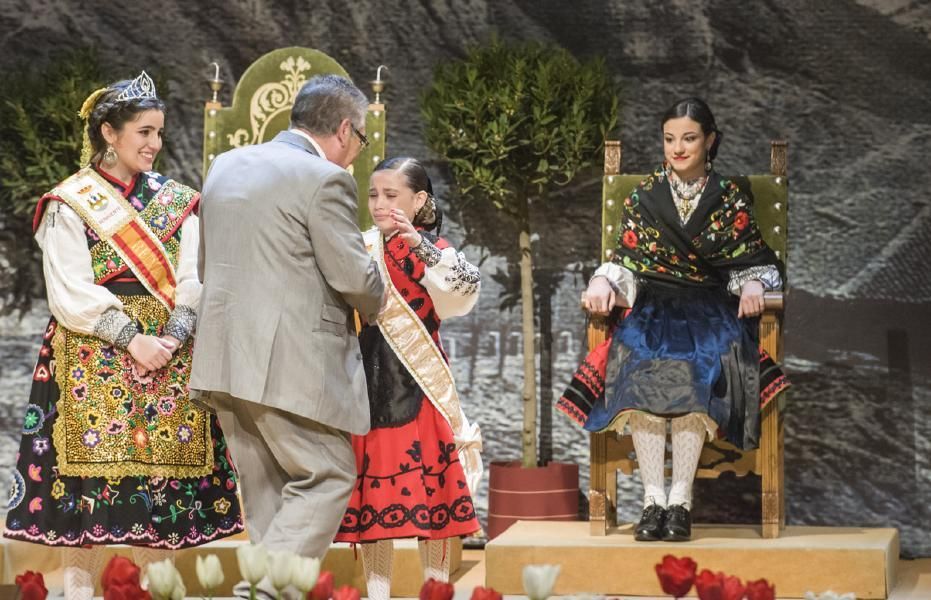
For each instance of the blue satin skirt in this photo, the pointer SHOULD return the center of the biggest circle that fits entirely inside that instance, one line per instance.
(682, 350)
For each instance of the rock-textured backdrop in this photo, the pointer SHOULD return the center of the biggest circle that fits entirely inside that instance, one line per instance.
(847, 82)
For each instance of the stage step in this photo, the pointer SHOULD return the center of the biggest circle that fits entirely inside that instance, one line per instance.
(843, 559)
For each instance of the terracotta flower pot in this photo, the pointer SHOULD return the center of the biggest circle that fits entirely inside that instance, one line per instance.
(549, 493)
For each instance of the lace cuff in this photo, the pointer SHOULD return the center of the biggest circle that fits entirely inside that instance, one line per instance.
(768, 275)
(181, 323)
(115, 327)
(427, 252)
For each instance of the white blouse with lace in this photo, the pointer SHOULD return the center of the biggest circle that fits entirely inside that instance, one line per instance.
(81, 305)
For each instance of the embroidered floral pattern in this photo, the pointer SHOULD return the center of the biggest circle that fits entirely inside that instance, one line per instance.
(115, 430)
(432, 475)
(160, 511)
(728, 234)
(162, 204)
(643, 240)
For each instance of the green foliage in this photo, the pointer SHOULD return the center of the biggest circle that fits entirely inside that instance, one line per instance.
(40, 144)
(515, 120)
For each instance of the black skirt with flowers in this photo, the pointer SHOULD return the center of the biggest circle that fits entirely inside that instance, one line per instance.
(164, 512)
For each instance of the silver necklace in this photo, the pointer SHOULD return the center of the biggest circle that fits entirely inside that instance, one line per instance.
(685, 194)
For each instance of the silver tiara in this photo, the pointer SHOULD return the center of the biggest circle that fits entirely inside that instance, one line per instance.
(140, 87)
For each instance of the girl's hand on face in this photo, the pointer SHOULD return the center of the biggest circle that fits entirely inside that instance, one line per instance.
(405, 229)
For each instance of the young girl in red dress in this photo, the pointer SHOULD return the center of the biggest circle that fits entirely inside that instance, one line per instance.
(421, 460)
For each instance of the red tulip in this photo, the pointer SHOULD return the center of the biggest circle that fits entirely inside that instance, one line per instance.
(676, 575)
(733, 588)
(708, 585)
(126, 591)
(119, 570)
(483, 593)
(120, 580)
(323, 589)
(31, 586)
(760, 590)
(436, 590)
(346, 592)
(718, 586)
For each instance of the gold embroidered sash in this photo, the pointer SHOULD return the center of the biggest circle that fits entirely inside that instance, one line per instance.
(413, 345)
(118, 224)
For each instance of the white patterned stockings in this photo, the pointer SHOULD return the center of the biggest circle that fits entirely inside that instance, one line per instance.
(688, 437)
(81, 566)
(376, 562)
(649, 436)
(434, 558)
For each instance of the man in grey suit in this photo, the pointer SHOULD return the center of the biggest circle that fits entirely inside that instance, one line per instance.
(283, 263)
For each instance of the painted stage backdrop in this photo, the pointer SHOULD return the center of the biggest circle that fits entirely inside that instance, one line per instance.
(846, 82)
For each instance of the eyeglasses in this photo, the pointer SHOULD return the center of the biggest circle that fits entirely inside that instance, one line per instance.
(362, 139)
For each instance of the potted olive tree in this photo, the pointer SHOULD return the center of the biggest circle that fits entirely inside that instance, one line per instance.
(514, 123)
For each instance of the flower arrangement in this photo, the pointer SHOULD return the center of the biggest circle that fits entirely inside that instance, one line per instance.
(122, 579)
(678, 575)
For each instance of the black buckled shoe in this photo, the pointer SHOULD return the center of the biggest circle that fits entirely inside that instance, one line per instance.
(650, 527)
(678, 526)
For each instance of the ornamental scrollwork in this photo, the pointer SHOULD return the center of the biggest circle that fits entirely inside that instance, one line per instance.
(270, 100)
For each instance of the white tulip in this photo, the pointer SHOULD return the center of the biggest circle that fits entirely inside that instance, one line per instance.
(539, 580)
(306, 571)
(164, 581)
(209, 571)
(281, 569)
(253, 562)
(180, 591)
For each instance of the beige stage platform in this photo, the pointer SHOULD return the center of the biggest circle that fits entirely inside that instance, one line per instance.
(342, 560)
(821, 559)
(843, 559)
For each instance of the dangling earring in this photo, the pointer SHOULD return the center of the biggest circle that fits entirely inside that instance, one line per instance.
(708, 165)
(110, 157)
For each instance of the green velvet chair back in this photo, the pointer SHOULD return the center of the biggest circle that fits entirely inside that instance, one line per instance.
(261, 108)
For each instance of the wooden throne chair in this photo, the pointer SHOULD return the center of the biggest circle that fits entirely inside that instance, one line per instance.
(261, 108)
(611, 452)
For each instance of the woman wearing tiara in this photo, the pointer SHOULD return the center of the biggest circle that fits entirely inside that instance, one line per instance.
(420, 463)
(113, 451)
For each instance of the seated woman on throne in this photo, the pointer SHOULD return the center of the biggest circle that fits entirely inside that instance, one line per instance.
(692, 265)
